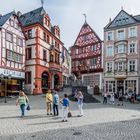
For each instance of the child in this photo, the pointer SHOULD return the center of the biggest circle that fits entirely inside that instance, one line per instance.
(65, 106)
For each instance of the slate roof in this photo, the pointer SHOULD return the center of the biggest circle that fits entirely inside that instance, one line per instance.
(5, 17)
(32, 17)
(137, 17)
(123, 19)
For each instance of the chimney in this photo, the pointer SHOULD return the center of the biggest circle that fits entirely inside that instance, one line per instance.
(19, 14)
(109, 20)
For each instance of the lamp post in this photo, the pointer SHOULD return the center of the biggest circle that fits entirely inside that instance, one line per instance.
(5, 79)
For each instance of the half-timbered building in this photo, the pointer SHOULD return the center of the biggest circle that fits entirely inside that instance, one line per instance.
(86, 56)
(12, 55)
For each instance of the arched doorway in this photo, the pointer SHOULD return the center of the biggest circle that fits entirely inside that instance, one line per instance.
(45, 82)
(56, 81)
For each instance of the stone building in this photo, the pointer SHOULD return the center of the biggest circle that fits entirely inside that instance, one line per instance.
(43, 52)
(122, 54)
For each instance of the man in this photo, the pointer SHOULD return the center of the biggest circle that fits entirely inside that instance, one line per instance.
(56, 104)
(49, 101)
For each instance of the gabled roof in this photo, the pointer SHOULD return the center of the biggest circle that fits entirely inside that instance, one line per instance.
(86, 36)
(123, 18)
(5, 17)
(35, 16)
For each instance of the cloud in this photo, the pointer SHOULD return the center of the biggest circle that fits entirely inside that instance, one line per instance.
(68, 13)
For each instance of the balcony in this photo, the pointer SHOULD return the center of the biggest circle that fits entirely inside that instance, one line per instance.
(120, 56)
(120, 74)
(54, 66)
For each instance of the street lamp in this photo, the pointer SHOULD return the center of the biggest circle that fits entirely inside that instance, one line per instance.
(5, 79)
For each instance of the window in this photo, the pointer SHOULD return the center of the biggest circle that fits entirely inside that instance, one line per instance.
(29, 34)
(93, 61)
(19, 42)
(109, 66)
(110, 36)
(132, 32)
(11, 22)
(121, 34)
(44, 36)
(28, 53)
(109, 51)
(9, 37)
(132, 65)
(120, 66)
(57, 58)
(132, 48)
(51, 57)
(15, 24)
(76, 51)
(48, 39)
(28, 77)
(120, 48)
(94, 48)
(44, 55)
(110, 86)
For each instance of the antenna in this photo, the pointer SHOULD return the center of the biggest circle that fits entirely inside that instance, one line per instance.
(121, 7)
(42, 3)
(85, 17)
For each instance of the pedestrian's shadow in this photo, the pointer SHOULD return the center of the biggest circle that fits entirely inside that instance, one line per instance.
(44, 123)
(26, 117)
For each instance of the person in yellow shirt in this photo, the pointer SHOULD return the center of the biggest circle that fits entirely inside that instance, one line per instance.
(49, 101)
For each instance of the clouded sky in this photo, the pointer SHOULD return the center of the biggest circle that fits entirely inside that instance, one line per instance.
(68, 13)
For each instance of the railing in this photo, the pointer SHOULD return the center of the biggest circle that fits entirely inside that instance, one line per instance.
(120, 56)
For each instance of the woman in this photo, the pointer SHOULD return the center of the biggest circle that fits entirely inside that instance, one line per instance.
(22, 101)
(80, 103)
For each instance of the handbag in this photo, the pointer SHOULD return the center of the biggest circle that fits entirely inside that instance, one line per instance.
(28, 107)
(69, 114)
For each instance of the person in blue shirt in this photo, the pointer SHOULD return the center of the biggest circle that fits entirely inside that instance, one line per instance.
(65, 106)
(55, 103)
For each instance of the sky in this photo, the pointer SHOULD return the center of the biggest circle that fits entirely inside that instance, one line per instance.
(68, 14)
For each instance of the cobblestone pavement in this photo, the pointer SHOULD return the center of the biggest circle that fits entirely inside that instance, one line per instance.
(124, 130)
(100, 122)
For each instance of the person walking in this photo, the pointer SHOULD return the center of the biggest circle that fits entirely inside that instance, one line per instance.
(112, 98)
(56, 104)
(65, 106)
(49, 101)
(105, 98)
(80, 103)
(22, 101)
(120, 98)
